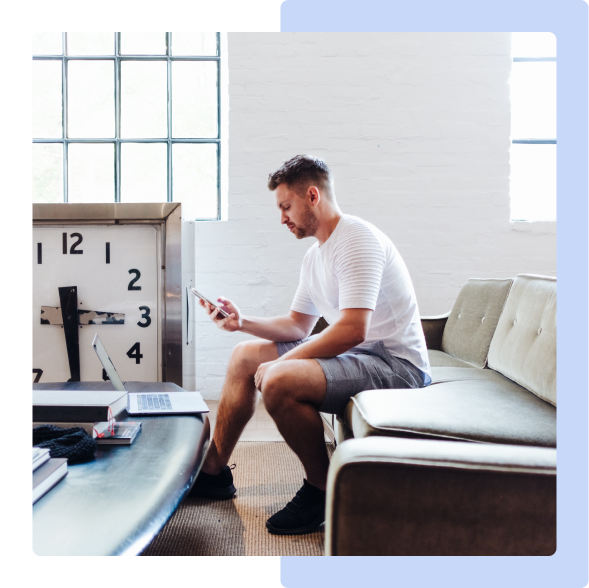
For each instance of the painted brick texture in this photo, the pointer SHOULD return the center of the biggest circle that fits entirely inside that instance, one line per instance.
(416, 128)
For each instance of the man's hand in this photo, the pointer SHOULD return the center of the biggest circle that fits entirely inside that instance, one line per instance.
(259, 377)
(232, 323)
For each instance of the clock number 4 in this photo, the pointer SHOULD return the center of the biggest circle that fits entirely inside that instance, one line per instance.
(73, 250)
(135, 279)
(145, 315)
(135, 353)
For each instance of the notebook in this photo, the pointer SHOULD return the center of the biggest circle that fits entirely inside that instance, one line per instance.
(48, 475)
(150, 403)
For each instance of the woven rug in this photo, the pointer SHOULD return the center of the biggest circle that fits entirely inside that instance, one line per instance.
(267, 476)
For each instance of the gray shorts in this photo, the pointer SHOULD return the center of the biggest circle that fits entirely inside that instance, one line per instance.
(361, 368)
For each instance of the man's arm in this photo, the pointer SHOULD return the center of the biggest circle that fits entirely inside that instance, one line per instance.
(291, 327)
(349, 330)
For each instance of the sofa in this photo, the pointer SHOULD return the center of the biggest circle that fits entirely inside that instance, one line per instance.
(467, 465)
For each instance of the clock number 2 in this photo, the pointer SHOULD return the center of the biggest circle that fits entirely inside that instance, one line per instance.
(135, 353)
(145, 315)
(132, 282)
(73, 250)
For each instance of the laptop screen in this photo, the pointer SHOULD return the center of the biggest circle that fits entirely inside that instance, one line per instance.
(107, 364)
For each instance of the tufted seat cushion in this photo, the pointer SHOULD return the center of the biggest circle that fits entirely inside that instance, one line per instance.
(474, 317)
(481, 406)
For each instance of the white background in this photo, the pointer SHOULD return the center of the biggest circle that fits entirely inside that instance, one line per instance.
(416, 129)
(101, 287)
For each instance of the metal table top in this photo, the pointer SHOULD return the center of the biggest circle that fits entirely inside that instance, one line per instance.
(117, 503)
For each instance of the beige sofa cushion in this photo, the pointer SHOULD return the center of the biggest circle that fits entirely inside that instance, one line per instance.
(524, 345)
(472, 322)
(441, 359)
(492, 409)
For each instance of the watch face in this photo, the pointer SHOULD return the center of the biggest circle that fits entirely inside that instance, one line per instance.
(88, 280)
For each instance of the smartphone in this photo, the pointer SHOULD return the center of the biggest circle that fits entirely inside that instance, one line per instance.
(199, 295)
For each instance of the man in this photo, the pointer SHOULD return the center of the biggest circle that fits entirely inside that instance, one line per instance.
(355, 278)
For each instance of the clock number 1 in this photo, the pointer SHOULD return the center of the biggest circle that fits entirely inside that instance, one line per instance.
(73, 250)
(135, 353)
(132, 282)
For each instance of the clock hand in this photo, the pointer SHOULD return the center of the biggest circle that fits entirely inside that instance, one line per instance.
(51, 315)
(68, 298)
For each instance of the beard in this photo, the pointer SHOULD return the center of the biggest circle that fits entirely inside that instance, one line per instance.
(308, 225)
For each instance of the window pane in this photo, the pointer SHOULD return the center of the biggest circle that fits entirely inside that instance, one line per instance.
(533, 182)
(194, 99)
(47, 44)
(91, 172)
(144, 172)
(143, 43)
(533, 45)
(47, 107)
(194, 180)
(90, 43)
(48, 172)
(533, 100)
(144, 95)
(91, 99)
(194, 44)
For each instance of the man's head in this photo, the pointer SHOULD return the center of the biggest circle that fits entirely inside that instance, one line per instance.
(304, 186)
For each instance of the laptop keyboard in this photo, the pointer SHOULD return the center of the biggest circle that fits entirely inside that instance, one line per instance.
(153, 402)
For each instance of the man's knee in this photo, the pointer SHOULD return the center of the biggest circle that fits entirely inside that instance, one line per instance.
(277, 385)
(248, 355)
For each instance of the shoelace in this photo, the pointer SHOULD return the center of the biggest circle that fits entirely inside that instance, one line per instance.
(301, 499)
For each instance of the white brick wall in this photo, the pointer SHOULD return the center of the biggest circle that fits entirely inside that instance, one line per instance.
(415, 127)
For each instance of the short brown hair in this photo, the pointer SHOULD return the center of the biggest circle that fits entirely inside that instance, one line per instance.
(300, 172)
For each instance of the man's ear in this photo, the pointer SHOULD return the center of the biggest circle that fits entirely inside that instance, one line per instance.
(314, 195)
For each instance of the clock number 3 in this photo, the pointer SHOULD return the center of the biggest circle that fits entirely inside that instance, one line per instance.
(145, 315)
(73, 250)
(132, 282)
(135, 353)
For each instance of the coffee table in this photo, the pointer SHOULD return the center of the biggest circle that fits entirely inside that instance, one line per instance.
(117, 503)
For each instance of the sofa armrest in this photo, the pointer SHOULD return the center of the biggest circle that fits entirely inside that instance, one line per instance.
(433, 329)
(389, 496)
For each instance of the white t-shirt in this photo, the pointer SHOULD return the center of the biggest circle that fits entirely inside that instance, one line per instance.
(359, 267)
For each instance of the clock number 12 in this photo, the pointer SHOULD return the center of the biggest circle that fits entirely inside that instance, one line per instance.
(73, 250)
(135, 353)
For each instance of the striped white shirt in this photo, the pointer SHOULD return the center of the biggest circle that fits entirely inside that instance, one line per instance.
(359, 267)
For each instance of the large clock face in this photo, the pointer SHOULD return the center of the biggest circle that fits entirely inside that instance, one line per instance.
(95, 279)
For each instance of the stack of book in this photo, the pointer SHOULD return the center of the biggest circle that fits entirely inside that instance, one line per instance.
(47, 472)
(94, 411)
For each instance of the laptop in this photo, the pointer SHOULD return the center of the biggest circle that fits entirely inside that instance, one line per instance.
(150, 403)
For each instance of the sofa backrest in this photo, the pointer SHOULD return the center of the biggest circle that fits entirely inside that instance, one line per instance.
(472, 322)
(524, 345)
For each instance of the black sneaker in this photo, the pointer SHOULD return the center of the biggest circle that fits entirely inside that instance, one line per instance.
(218, 486)
(303, 514)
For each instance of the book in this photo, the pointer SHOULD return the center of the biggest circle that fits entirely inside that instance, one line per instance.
(93, 429)
(124, 434)
(77, 406)
(40, 456)
(48, 475)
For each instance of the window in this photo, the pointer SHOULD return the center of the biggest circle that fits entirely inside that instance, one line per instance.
(533, 127)
(127, 117)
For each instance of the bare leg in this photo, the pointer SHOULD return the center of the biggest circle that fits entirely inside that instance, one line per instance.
(293, 390)
(239, 398)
